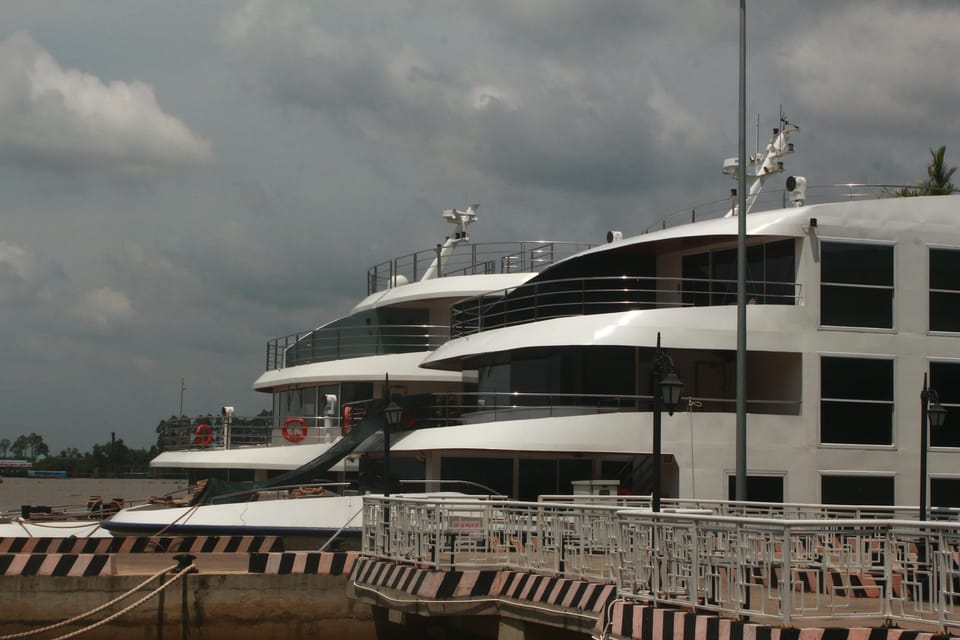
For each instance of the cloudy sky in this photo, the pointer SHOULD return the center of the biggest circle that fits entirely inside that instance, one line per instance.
(183, 180)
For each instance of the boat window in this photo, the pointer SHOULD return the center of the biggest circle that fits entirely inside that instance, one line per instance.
(944, 290)
(711, 278)
(759, 488)
(577, 376)
(945, 379)
(945, 492)
(856, 401)
(856, 285)
(298, 402)
(856, 489)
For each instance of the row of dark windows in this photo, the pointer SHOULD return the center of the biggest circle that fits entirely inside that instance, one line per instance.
(856, 401)
(849, 489)
(857, 286)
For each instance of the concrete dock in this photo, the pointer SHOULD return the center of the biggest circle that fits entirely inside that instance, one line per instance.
(228, 595)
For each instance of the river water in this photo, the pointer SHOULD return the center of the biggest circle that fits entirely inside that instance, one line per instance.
(58, 492)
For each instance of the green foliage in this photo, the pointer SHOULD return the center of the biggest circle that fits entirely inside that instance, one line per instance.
(108, 459)
(937, 182)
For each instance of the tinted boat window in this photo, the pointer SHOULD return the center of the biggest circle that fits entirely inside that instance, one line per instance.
(759, 488)
(856, 285)
(945, 379)
(945, 492)
(944, 290)
(856, 401)
(852, 489)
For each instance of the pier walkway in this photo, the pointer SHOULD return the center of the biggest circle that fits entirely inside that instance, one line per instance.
(697, 571)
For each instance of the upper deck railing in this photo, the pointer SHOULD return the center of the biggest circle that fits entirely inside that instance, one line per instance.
(335, 343)
(547, 299)
(780, 199)
(441, 410)
(791, 572)
(471, 259)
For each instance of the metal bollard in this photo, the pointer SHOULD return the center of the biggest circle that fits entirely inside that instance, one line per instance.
(184, 560)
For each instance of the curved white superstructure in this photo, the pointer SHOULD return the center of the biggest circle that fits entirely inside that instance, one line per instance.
(835, 365)
(534, 371)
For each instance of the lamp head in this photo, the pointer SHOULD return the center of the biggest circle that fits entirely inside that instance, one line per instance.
(937, 414)
(392, 414)
(671, 388)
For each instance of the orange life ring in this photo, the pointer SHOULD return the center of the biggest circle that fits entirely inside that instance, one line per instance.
(297, 435)
(345, 424)
(204, 435)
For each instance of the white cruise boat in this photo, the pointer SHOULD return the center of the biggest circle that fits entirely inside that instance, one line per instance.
(852, 305)
(321, 381)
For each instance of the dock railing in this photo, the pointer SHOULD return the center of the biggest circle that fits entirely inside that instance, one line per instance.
(791, 572)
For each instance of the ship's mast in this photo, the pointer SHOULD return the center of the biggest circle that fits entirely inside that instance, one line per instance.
(462, 220)
(760, 166)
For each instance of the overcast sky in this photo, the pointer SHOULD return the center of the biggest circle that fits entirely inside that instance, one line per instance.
(184, 180)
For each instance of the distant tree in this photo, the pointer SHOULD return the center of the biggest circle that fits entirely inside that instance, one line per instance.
(938, 178)
(5, 446)
(37, 446)
(19, 446)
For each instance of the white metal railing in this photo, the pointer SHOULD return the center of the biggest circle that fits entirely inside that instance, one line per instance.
(776, 570)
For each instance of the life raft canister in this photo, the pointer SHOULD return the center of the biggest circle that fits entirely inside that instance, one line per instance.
(295, 435)
(204, 435)
(345, 423)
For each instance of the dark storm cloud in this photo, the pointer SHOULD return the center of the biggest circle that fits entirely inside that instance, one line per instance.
(544, 122)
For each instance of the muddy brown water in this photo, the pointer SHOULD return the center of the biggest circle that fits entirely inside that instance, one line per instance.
(58, 492)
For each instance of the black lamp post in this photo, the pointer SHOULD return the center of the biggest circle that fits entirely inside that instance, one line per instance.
(667, 389)
(392, 414)
(930, 410)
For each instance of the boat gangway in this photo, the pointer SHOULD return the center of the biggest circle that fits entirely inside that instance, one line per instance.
(700, 570)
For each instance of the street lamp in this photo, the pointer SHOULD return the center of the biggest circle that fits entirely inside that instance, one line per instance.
(391, 415)
(932, 410)
(667, 389)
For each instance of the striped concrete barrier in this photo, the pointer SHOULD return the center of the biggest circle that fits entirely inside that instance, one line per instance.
(565, 593)
(56, 564)
(324, 563)
(638, 621)
(172, 544)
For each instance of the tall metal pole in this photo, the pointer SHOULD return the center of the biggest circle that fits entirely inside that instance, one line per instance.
(386, 436)
(183, 388)
(924, 401)
(741, 445)
(657, 412)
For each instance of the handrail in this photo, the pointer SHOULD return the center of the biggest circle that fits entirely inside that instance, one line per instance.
(445, 409)
(780, 199)
(779, 570)
(566, 297)
(324, 344)
(474, 258)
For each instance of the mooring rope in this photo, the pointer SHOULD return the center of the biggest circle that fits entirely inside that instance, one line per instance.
(339, 531)
(87, 614)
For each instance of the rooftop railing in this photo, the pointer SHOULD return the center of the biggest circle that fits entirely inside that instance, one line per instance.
(214, 432)
(471, 259)
(790, 572)
(336, 343)
(442, 410)
(780, 199)
(548, 299)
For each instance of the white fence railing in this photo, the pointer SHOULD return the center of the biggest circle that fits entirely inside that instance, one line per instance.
(783, 571)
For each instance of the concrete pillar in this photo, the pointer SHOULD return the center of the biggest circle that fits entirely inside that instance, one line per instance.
(390, 624)
(511, 629)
